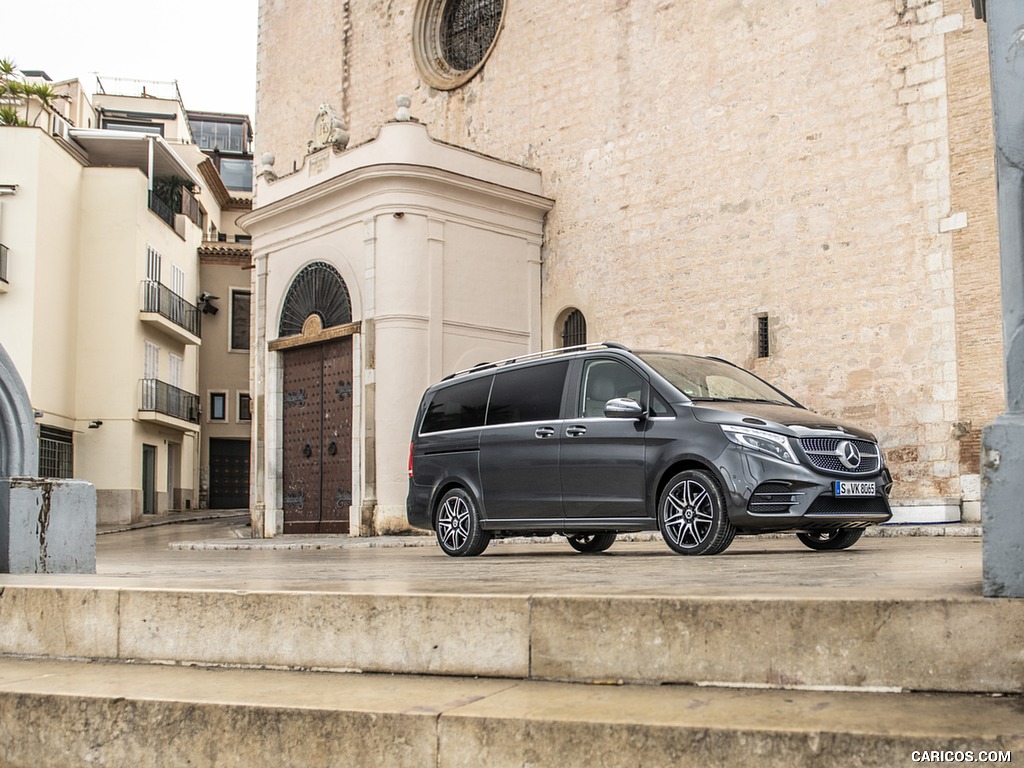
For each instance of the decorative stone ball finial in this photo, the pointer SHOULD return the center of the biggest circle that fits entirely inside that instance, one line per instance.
(403, 115)
(266, 171)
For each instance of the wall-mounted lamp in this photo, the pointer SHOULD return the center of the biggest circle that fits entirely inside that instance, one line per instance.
(95, 424)
(204, 299)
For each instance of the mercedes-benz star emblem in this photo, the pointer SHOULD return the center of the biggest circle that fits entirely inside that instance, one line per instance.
(849, 454)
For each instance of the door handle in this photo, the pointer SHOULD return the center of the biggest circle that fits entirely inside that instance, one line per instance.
(544, 432)
(576, 431)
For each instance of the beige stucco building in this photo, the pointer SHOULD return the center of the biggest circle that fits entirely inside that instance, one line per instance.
(805, 189)
(99, 287)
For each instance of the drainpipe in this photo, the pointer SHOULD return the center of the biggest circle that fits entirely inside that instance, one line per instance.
(1002, 451)
(149, 145)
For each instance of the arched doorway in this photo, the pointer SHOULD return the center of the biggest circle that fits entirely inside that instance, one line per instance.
(317, 403)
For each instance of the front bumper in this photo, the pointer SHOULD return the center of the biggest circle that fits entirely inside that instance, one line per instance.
(769, 494)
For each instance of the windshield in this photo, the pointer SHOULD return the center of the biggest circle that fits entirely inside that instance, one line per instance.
(701, 378)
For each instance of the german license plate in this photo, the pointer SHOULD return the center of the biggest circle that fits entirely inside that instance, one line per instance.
(846, 488)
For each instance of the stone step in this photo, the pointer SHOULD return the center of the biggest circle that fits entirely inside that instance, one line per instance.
(57, 713)
(954, 645)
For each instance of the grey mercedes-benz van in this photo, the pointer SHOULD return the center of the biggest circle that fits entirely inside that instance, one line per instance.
(591, 441)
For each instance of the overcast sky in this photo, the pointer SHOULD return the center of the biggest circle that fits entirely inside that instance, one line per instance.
(208, 46)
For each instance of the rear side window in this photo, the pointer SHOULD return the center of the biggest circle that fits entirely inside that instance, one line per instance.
(528, 394)
(458, 406)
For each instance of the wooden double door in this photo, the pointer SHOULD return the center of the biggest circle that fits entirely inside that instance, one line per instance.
(317, 437)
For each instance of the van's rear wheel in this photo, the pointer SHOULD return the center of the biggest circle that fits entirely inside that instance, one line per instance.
(591, 542)
(831, 540)
(458, 525)
(692, 515)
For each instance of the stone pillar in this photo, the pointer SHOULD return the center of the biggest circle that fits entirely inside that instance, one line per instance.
(1002, 504)
(260, 525)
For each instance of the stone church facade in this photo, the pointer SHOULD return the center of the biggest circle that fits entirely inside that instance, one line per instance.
(805, 189)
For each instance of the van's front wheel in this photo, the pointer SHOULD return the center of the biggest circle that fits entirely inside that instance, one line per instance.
(458, 525)
(692, 515)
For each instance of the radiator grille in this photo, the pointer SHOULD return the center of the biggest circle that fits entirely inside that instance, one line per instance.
(861, 457)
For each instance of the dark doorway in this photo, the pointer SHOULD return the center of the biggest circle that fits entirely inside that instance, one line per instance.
(229, 474)
(148, 479)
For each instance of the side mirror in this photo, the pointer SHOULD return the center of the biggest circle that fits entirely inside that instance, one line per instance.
(623, 408)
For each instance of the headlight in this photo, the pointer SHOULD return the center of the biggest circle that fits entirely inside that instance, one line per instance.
(759, 440)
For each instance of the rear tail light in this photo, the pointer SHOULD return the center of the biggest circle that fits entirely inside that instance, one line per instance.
(410, 459)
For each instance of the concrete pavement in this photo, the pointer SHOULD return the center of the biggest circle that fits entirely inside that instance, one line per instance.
(387, 652)
(218, 553)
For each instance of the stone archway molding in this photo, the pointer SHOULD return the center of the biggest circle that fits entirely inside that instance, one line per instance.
(19, 452)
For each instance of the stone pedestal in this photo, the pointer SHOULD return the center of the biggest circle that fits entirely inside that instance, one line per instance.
(1002, 507)
(47, 526)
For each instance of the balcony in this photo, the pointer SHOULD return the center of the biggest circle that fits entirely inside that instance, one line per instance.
(165, 404)
(161, 209)
(184, 201)
(169, 312)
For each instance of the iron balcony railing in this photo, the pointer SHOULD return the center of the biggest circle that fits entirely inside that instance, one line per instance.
(161, 209)
(157, 297)
(3, 263)
(190, 208)
(164, 398)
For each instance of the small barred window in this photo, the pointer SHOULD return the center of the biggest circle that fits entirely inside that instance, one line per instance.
(574, 330)
(763, 337)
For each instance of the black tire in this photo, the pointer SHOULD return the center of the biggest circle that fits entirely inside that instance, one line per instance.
(458, 525)
(831, 540)
(591, 542)
(692, 515)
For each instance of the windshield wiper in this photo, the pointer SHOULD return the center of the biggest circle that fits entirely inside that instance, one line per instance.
(736, 400)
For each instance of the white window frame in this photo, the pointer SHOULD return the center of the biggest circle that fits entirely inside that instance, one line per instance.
(151, 360)
(176, 369)
(154, 262)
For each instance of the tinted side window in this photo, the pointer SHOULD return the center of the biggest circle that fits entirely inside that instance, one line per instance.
(458, 406)
(528, 394)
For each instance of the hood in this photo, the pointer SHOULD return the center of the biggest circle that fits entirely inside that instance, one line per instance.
(799, 421)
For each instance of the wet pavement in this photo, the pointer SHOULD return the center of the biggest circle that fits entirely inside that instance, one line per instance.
(196, 555)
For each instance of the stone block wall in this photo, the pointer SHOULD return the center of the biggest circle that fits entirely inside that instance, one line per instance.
(715, 162)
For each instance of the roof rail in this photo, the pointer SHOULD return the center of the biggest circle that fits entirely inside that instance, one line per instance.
(537, 356)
